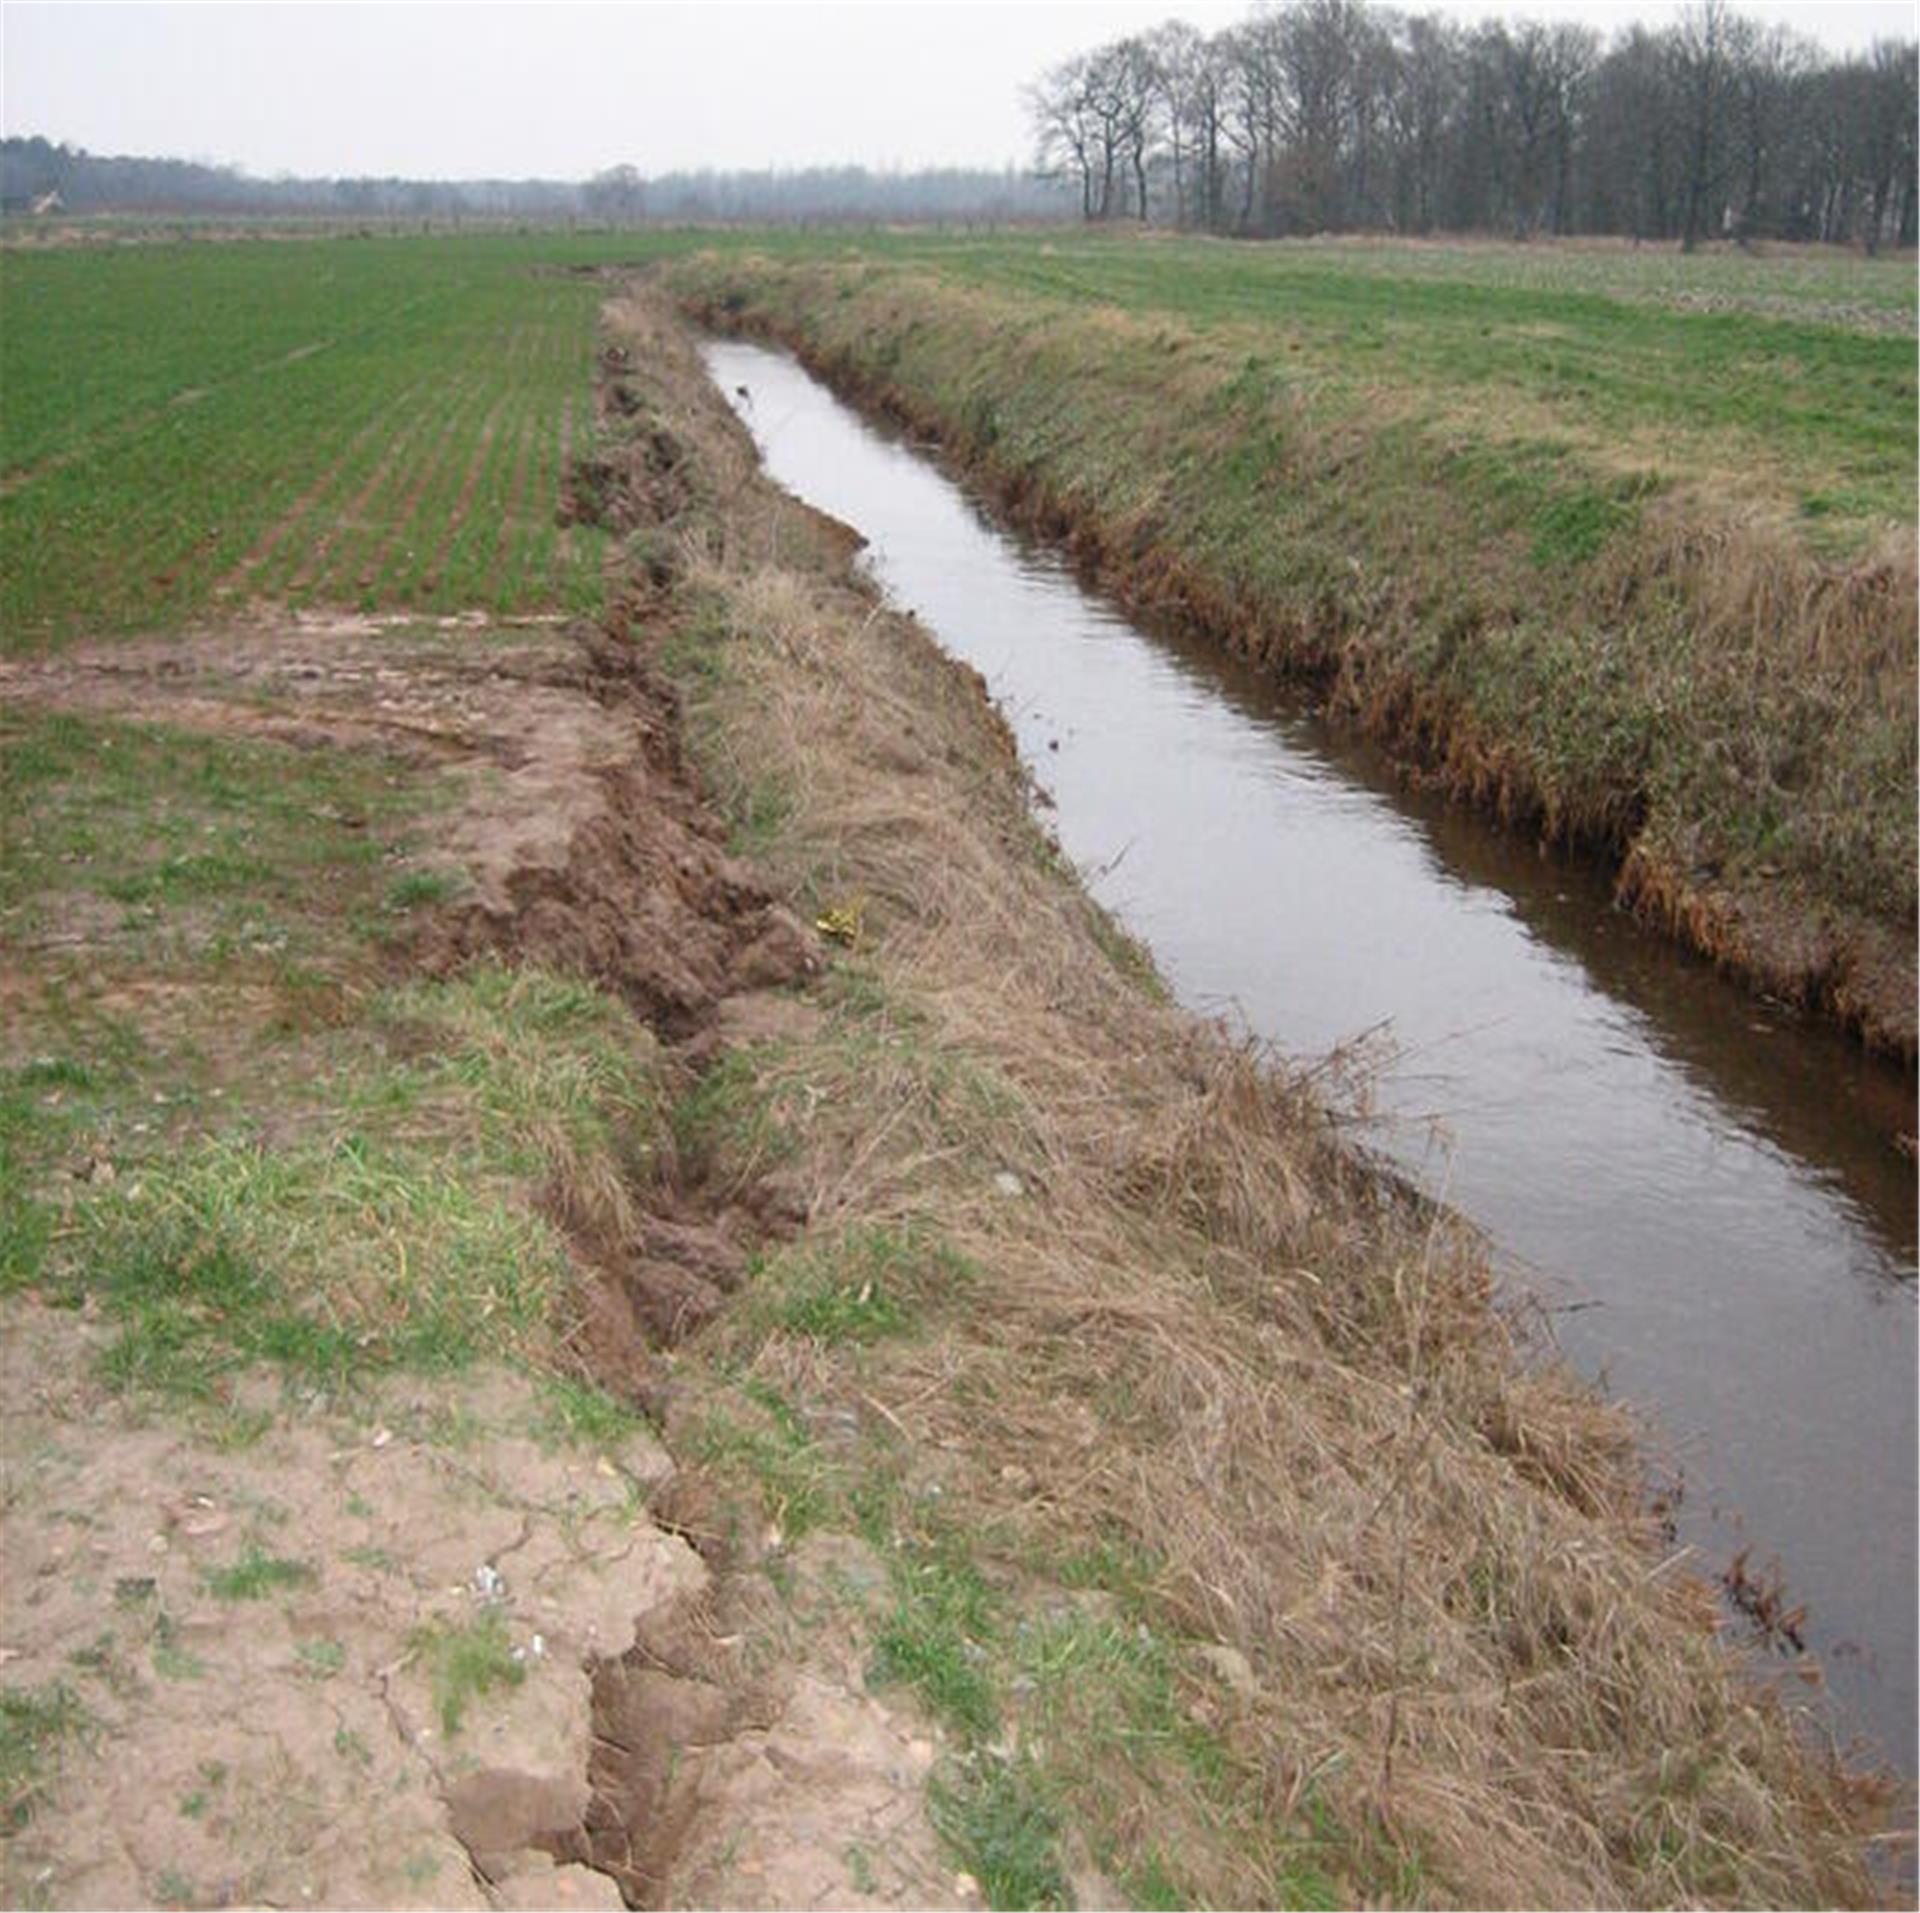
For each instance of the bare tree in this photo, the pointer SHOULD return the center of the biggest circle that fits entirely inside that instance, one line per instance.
(1251, 121)
(1186, 76)
(1887, 141)
(1065, 134)
(1701, 47)
(1326, 115)
(1765, 105)
(619, 195)
(1321, 52)
(1140, 102)
(1422, 109)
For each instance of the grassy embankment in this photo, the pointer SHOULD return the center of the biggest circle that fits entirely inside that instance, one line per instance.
(1223, 1530)
(1638, 574)
(1175, 1465)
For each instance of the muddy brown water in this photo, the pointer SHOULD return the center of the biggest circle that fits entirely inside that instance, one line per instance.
(1701, 1189)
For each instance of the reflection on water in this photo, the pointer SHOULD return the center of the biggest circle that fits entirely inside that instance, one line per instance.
(1702, 1188)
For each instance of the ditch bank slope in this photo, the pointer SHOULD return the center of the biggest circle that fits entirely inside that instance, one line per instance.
(1725, 719)
(1074, 1473)
(1215, 1514)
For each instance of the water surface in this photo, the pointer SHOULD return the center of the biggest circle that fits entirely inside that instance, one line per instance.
(1702, 1189)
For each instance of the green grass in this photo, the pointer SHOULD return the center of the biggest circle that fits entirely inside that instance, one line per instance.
(180, 845)
(171, 1661)
(419, 889)
(36, 1724)
(1801, 365)
(396, 1234)
(939, 1638)
(327, 1261)
(996, 1816)
(257, 1575)
(729, 1118)
(1828, 286)
(364, 422)
(578, 1414)
(321, 1660)
(466, 1661)
(868, 1283)
(760, 1441)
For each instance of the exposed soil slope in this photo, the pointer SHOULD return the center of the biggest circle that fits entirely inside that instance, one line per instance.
(371, 1641)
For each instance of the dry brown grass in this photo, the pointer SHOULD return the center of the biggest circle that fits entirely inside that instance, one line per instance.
(1208, 1332)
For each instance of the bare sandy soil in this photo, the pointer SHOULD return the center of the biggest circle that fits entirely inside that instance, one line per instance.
(261, 1631)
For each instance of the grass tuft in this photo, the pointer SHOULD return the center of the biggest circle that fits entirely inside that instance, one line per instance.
(256, 1575)
(996, 1817)
(36, 1724)
(869, 1283)
(584, 1416)
(938, 1638)
(465, 1662)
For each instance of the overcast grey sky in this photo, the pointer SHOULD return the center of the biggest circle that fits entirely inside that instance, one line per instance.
(562, 91)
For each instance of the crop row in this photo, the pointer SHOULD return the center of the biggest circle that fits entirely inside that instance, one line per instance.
(406, 450)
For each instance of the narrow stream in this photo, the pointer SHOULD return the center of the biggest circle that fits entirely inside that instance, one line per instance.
(1701, 1189)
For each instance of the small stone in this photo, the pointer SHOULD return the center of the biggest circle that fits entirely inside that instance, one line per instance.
(380, 1438)
(157, 1544)
(966, 1886)
(1233, 1668)
(1008, 1184)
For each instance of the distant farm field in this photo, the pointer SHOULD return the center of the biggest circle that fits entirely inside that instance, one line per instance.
(385, 422)
(359, 422)
(1780, 387)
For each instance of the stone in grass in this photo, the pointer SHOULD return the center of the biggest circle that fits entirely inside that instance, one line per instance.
(1233, 1669)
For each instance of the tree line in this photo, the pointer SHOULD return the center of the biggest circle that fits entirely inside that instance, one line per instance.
(1326, 116)
(34, 170)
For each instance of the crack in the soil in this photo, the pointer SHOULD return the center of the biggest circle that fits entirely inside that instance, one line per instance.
(645, 901)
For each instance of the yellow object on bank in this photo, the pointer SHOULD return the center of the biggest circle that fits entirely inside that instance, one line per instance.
(841, 922)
